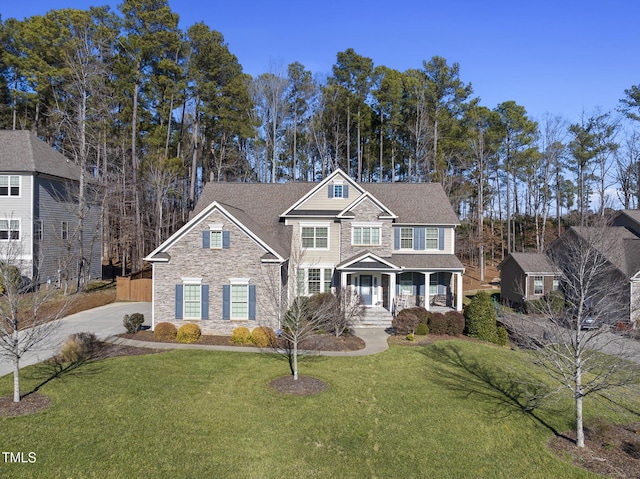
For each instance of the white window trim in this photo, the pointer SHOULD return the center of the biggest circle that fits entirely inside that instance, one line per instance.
(306, 268)
(437, 238)
(9, 230)
(372, 226)
(238, 282)
(541, 282)
(9, 195)
(410, 248)
(316, 225)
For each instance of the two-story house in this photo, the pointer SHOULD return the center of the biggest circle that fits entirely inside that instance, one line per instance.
(393, 243)
(39, 212)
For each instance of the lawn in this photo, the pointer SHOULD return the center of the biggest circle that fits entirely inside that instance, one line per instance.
(447, 410)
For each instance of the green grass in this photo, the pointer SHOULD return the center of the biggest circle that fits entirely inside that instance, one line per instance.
(444, 411)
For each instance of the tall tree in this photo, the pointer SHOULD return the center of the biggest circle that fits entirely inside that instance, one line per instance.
(301, 89)
(388, 95)
(583, 148)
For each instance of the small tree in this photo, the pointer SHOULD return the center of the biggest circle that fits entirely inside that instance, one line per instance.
(343, 309)
(586, 361)
(24, 321)
(480, 318)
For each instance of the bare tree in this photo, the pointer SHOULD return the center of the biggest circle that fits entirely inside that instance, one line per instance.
(577, 348)
(24, 321)
(346, 309)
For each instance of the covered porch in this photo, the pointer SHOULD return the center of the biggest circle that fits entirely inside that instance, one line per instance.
(382, 283)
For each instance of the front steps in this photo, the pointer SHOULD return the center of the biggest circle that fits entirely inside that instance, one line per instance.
(375, 318)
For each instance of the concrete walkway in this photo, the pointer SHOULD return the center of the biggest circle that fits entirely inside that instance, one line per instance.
(106, 323)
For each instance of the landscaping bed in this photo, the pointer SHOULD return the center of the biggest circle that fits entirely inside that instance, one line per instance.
(317, 342)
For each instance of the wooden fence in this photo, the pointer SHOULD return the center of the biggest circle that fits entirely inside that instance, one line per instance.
(128, 289)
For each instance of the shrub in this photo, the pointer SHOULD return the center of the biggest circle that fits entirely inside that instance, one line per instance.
(10, 274)
(133, 322)
(263, 336)
(437, 323)
(455, 323)
(502, 336)
(422, 329)
(405, 322)
(188, 333)
(241, 335)
(79, 347)
(480, 318)
(165, 331)
(535, 306)
(410, 337)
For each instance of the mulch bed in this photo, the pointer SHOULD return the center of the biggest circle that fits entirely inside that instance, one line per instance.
(28, 404)
(317, 342)
(614, 453)
(303, 386)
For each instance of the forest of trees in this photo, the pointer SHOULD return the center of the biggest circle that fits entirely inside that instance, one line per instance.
(152, 112)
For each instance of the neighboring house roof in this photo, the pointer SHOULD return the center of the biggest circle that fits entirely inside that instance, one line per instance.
(259, 206)
(620, 246)
(531, 263)
(22, 151)
(629, 219)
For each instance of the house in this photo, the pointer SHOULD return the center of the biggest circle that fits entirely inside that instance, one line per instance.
(392, 243)
(39, 212)
(526, 276)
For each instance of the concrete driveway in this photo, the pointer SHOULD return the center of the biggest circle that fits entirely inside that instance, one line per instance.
(104, 321)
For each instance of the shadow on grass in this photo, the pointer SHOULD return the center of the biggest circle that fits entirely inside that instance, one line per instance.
(507, 391)
(54, 368)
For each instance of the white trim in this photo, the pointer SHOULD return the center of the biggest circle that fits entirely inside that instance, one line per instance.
(370, 227)
(371, 224)
(315, 226)
(322, 224)
(238, 280)
(215, 227)
(366, 194)
(187, 228)
(191, 280)
(9, 195)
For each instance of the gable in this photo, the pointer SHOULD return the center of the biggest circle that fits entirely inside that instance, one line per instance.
(331, 196)
(366, 207)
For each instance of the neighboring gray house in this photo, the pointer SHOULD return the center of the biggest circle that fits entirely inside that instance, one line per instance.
(526, 276)
(39, 212)
(392, 243)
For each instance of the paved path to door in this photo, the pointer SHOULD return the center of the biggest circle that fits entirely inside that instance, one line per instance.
(106, 323)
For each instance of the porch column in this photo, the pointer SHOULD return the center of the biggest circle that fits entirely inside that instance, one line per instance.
(459, 292)
(427, 282)
(343, 280)
(392, 292)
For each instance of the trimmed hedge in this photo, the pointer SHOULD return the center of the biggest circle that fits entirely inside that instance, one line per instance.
(263, 336)
(405, 322)
(241, 335)
(165, 331)
(188, 333)
(451, 323)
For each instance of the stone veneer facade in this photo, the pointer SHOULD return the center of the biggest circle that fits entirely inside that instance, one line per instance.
(215, 267)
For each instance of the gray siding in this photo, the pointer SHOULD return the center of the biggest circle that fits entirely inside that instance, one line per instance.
(19, 208)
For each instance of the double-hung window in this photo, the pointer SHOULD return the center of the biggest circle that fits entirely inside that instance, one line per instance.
(9, 229)
(314, 280)
(538, 284)
(216, 240)
(64, 230)
(431, 238)
(38, 227)
(192, 301)
(406, 238)
(239, 301)
(9, 185)
(366, 235)
(315, 237)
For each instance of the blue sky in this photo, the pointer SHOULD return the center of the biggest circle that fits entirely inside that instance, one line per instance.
(558, 57)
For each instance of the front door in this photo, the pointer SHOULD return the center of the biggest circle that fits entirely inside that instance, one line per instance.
(365, 289)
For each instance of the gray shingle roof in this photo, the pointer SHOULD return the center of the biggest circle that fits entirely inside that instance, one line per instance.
(619, 245)
(22, 151)
(534, 263)
(259, 205)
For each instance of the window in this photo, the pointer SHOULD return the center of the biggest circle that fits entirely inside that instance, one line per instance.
(406, 238)
(338, 190)
(433, 284)
(216, 240)
(556, 283)
(239, 301)
(314, 280)
(431, 238)
(64, 230)
(37, 230)
(192, 301)
(9, 185)
(406, 283)
(538, 284)
(9, 229)
(366, 235)
(315, 237)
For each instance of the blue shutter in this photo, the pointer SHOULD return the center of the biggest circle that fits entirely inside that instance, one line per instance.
(206, 239)
(204, 301)
(396, 238)
(418, 238)
(330, 191)
(226, 301)
(179, 299)
(345, 191)
(252, 301)
(441, 239)
(421, 237)
(226, 239)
